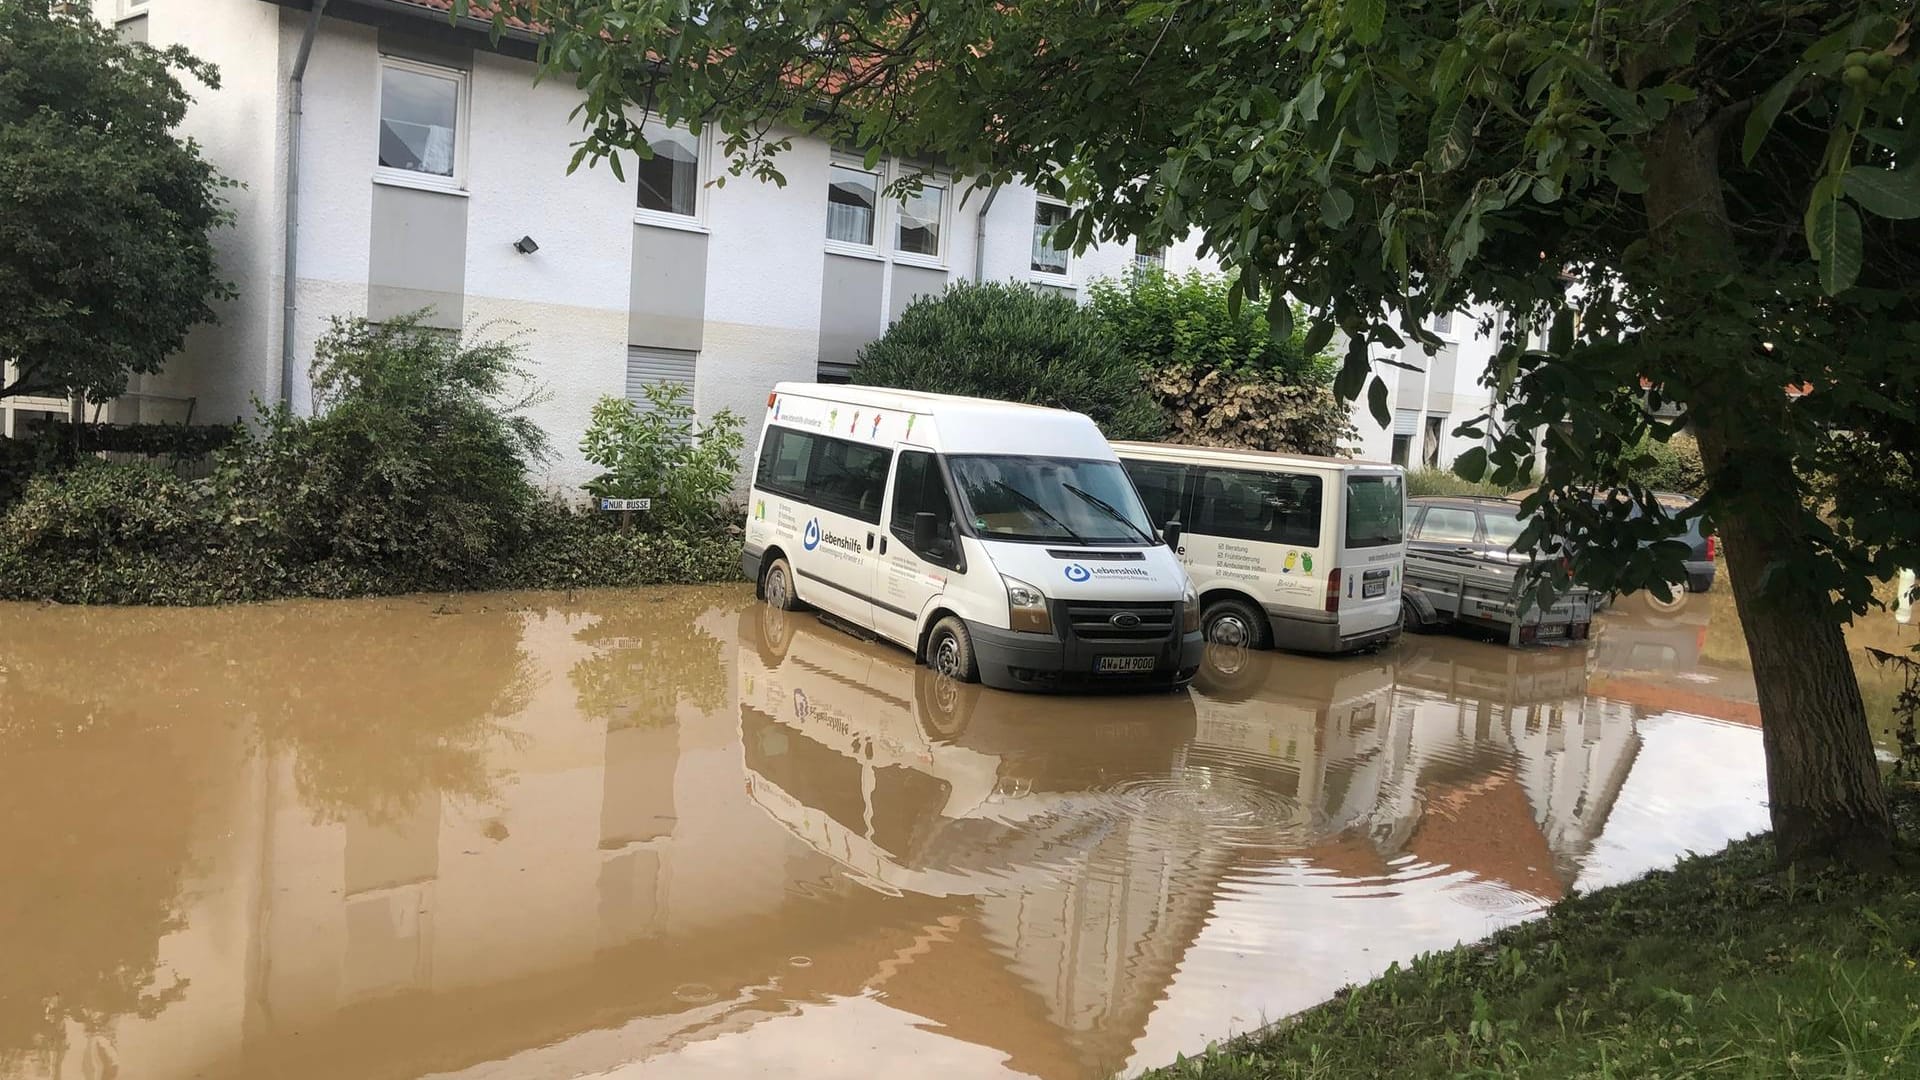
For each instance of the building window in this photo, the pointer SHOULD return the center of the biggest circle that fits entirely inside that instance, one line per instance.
(1430, 449)
(670, 180)
(1443, 323)
(420, 110)
(1049, 255)
(1402, 447)
(657, 367)
(922, 222)
(853, 200)
(1146, 261)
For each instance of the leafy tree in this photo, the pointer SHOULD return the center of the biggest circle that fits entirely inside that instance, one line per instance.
(1013, 343)
(105, 256)
(1192, 321)
(1717, 198)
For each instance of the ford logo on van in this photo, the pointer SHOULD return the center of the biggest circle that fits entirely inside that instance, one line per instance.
(811, 538)
(1076, 572)
(1124, 620)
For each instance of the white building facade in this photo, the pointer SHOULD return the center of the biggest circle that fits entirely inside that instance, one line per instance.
(432, 174)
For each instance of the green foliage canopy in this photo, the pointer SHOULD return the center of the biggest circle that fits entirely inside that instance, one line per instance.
(106, 259)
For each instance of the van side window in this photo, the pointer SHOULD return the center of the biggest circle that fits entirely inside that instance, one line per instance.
(833, 474)
(785, 461)
(849, 478)
(1162, 488)
(918, 488)
(1273, 508)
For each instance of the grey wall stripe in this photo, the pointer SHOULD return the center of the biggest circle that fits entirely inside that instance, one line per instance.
(667, 298)
(419, 255)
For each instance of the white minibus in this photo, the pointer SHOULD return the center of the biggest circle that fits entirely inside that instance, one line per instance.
(999, 542)
(1287, 551)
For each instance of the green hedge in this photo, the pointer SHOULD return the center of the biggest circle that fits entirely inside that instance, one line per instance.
(131, 534)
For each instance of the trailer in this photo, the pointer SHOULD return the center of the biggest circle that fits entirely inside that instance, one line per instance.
(1441, 589)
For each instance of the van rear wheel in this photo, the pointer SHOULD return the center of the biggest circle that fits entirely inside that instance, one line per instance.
(776, 586)
(950, 650)
(1233, 621)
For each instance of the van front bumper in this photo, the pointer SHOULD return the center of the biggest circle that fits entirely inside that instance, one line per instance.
(1014, 660)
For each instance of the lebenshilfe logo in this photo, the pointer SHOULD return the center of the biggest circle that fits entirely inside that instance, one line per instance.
(1076, 572)
(810, 539)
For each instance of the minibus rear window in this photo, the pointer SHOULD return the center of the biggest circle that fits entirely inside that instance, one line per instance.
(1375, 511)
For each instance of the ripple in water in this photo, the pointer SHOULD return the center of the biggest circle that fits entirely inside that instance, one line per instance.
(1228, 810)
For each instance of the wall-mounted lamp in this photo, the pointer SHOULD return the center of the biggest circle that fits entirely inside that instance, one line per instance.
(525, 245)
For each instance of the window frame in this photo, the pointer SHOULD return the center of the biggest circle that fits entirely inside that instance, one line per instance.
(127, 9)
(1441, 322)
(871, 249)
(1064, 275)
(938, 260)
(462, 107)
(702, 162)
(809, 494)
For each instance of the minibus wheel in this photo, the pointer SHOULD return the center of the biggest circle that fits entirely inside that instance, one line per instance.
(950, 650)
(1233, 621)
(777, 586)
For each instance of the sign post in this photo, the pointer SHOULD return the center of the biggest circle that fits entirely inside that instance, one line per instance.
(626, 507)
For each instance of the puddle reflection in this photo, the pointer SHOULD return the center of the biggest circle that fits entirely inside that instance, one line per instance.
(677, 833)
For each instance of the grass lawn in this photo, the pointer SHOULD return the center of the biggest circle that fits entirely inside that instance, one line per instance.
(1721, 967)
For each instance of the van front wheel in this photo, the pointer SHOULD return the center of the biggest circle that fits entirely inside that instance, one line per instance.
(1233, 621)
(950, 650)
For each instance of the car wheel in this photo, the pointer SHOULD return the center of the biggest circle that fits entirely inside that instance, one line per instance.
(1232, 621)
(1667, 607)
(776, 586)
(950, 650)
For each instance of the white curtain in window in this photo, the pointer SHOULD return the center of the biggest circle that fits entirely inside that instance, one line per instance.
(851, 197)
(438, 155)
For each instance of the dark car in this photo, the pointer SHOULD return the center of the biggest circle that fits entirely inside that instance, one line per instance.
(1701, 565)
(1485, 527)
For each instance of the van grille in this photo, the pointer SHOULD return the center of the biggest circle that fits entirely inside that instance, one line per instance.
(1076, 555)
(1093, 620)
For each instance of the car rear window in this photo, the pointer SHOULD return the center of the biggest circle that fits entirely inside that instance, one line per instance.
(1376, 510)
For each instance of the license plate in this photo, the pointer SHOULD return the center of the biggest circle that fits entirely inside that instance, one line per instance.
(1371, 589)
(1555, 630)
(1123, 663)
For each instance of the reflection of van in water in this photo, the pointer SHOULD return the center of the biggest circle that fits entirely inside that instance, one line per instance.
(913, 781)
(1000, 542)
(1297, 552)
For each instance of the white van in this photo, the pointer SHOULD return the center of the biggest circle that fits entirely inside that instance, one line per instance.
(999, 542)
(1287, 551)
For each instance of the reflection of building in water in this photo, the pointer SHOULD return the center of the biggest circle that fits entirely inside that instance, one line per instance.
(917, 786)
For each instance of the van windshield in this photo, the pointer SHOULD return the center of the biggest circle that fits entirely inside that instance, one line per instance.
(1059, 500)
(1375, 506)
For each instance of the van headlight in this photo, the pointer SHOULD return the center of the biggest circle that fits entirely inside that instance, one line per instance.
(1190, 610)
(1027, 608)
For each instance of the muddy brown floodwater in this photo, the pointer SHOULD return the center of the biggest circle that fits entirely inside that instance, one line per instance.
(677, 834)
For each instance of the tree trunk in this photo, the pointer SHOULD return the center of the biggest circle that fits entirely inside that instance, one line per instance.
(1825, 794)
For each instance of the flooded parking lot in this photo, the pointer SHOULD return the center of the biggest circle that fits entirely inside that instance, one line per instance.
(678, 834)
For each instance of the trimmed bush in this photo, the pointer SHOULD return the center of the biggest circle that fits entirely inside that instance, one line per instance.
(1185, 320)
(1250, 410)
(98, 508)
(1014, 343)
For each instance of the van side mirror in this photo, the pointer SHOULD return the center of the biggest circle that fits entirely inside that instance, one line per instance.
(1170, 532)
(926, 528)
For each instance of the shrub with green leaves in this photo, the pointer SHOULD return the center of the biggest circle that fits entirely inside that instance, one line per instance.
(1014, 343)
(99, 507)
(1186, 320)
(661, 451)
(414, 463)
(1673, 465)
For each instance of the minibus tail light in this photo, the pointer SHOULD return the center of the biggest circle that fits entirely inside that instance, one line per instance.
(1333, 589)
